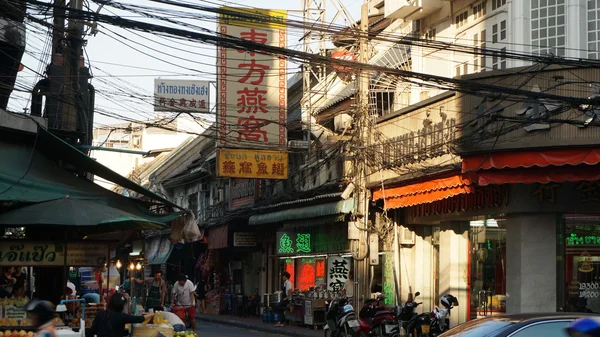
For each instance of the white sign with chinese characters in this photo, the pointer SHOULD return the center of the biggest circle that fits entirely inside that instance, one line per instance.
(181, 95)
(338, 271)
(252, 87)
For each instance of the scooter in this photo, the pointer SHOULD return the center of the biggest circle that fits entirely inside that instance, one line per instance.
(373, 316)
(341, 320)
(433, 323)
(403, 315)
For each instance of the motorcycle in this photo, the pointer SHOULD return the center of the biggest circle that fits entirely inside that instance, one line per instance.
(373, 316)
(433, 323)
(341, 320)
(402, 316)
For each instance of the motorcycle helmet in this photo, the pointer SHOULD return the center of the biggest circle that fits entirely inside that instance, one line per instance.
(448, 301)
(584, 327)
(348, 308)
(41, 312)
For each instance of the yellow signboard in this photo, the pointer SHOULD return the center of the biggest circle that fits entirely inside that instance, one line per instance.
(253, 17)
(253, 164)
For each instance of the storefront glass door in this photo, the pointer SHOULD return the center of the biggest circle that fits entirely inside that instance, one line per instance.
(487, 267)
(582, 263)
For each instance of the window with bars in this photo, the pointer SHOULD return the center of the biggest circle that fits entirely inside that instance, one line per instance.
(479, 10)
(461, 19)
(548, 27)
(593, 27)
(497, 4)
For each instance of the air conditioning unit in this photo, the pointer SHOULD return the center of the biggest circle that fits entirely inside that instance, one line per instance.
(405, 236)
(204, 187)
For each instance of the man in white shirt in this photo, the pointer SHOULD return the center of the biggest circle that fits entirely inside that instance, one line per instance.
(286, 296)
(183, 295)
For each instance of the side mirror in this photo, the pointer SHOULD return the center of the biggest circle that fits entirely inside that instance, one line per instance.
(417, 294)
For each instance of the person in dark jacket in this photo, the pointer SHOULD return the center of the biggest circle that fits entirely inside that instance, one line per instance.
(111, 322)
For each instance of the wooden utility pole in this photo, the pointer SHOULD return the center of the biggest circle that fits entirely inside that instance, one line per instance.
(360, 163)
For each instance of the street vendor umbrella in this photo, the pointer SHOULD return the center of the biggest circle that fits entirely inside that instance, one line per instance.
(84, 213)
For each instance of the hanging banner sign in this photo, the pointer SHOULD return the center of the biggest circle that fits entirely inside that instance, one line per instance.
(252, 97)
(254, 164)
(338, 272)
(30, 254)
(181, 96)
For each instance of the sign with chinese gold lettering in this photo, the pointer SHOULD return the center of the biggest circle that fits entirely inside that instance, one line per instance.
(252, 87)
(255, 164)
(52, 254)
(181, 95)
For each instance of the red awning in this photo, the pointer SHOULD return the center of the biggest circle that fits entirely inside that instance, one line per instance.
(425, 192)
(542, 175)
(544, 158)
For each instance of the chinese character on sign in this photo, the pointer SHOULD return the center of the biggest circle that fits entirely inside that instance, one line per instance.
(246, 167)
(229, 167)
(278, 169)
(336, 285)
(259, 69)
(183, 102)
(262, 169)
(250, 101)
(546, 192)
(253, 36)
(162, 101)
(303, 243)
(193, 103)
(251, 130)
(590, 191)
(339, 269)
(172, 102)
(285, 244)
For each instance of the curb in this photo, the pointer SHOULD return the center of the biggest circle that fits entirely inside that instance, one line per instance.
(266, 328)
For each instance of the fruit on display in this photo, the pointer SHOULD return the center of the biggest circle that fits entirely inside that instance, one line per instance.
(16, 301)
(185, 334)
(15, 333)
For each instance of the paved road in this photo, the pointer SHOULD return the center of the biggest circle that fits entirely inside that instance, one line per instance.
(218, 330)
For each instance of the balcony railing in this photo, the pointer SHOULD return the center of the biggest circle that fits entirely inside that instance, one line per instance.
(212, 212)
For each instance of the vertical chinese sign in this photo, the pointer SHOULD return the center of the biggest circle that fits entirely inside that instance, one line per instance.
(338, 271)
(252, 87)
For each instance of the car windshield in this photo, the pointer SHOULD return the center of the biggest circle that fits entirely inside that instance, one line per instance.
(478, 328)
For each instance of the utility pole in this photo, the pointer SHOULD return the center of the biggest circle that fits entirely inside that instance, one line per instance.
(360, 162)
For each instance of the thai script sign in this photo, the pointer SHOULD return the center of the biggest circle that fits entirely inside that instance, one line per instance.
(338, 272)
(241, 239)
(243, 192)
(52, 254)
(482, 198)
(254, 164)
(15, 312)
(181, 96)
(252, 87)
(576, 240)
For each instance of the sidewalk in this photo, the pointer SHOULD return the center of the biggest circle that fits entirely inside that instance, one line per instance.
(255, 323)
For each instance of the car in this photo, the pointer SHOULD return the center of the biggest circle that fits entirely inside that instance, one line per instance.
(517, 325)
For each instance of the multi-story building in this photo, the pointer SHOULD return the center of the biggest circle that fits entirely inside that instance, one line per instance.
(151, 137)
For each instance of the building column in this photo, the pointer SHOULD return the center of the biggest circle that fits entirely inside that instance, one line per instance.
(531, 263)
(454, 266)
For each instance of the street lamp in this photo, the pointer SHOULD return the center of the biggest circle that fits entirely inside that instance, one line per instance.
(118, 264)
(131, 266)
(138, 266)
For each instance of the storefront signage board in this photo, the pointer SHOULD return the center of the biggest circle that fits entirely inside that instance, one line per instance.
(252, 164)
(323, 239)
(388, 281)
(243, 192)
(338, 272)
(252, 109)
(290, 243)
(241, 239)
(52, 254)
(583, 240)
(181, 95)
(15, 312)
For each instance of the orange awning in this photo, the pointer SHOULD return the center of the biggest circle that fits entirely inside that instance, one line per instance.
(525, 159)
(542, 175)
(425, 192)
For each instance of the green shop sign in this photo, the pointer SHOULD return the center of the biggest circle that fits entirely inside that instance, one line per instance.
(29, 254)
(576, 240)
(290, 243)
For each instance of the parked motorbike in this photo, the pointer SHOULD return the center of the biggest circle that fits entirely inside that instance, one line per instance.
(341, 320)
(403, 314)
(434, 323)
(373, 317)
